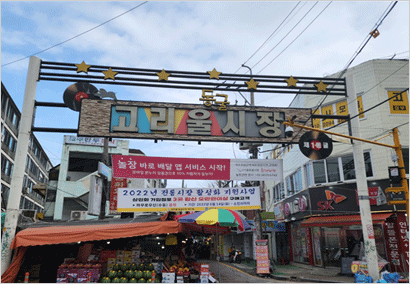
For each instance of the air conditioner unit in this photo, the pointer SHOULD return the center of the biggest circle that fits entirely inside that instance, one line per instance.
(29, 213)
(78, 215)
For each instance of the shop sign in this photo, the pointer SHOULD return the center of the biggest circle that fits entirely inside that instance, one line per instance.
(402, 232)
(187, 199)
(376, 196)
(299, 204)
(150, 120)
(89, 141)
(357, 266)
(115, 184)
(192, 168)
(392, 243)
(400, 104)
(331, 199)
(315, 145)
(273, 226)
(262, 257)
(268, 215)
(279, 212)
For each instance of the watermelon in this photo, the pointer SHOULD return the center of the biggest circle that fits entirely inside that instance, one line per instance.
(150, 266)
(120, 274)
(142, 280)
(129, 274)
(138, 274)
(157, 280)
(112, 274)
(141, 267)
(123, 280)
(133, 266)
(115, 280)
(133, 280)
(105, 280)
(125, 267)
(116, 267)
(147, 274)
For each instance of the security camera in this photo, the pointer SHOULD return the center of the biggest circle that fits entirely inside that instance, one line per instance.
(289, 131)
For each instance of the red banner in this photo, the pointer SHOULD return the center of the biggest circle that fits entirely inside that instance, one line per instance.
(170, 168)
(116, 183)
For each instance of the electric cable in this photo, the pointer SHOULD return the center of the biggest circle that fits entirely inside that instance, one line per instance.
(272, 34)
(78, 35)
(285, 36)
(351, 61)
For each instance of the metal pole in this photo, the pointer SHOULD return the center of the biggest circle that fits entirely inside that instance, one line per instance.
(362, 189)
(254, 155)
(12, 213)
(402, 170)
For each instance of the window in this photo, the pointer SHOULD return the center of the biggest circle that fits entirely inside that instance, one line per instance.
(348, 167)
(308, 174)
(319, 172)
(6, 166)
(289, 185)
(333, 174)
(368, 164)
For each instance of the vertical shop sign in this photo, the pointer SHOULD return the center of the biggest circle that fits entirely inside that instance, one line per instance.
(392, 245)
(262, 258)
(116, 183)
(309, 245)
(403, 240)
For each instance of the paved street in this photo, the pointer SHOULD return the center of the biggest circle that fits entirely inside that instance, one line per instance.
(228, 274)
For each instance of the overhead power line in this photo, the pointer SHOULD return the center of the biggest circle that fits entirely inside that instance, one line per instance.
(87, 31)
(294, 39)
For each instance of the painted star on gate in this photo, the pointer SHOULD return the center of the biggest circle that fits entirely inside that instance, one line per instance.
(291, 81)
(321, 86)
(163, 75)
(109, 74)
(252, 84)
(214, 74)
(82, 67)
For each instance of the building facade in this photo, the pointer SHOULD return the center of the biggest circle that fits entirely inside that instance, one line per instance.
(323, 188)
(68, 192)
(37, 162)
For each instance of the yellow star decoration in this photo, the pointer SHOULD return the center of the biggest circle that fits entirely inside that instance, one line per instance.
(163, 75)
(252, 84)
(109, 74)
(214, 74)
(321, 86)
(82, 67)
(291, 81)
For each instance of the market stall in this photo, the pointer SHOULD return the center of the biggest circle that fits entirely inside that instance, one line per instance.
(92, 260)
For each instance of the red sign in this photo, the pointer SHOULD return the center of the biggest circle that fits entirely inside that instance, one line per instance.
(116, 183)
(262, 257)
(170, 168)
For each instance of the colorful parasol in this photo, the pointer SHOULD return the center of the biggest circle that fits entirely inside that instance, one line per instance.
(219, 217)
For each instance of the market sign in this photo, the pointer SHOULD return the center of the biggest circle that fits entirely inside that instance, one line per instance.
(187, 199)
(315, 145)
(198, 169)
(170, 121)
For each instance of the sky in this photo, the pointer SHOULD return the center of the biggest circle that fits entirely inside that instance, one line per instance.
(305, 38)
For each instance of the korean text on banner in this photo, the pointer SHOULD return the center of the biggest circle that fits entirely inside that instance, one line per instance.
(192, 168)
(187, 199)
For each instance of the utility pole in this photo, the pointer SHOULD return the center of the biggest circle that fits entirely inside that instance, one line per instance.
(253, 150)
(13, 203)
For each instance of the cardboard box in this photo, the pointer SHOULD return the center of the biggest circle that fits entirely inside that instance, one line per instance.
(111, 261)
(120, 253)
(127, 253)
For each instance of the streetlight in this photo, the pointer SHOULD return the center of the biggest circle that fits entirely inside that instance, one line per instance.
(252, 98)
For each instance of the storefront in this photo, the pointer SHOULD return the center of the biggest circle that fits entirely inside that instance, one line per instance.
(329, 228)
(89, 251)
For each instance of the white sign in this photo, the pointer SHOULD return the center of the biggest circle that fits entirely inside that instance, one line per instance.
(253, 170)
(95, 195)
(187, 199)
(91, 141)
(104, 170)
